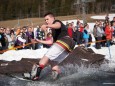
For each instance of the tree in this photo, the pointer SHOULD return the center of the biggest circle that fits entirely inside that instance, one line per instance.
(13, 9)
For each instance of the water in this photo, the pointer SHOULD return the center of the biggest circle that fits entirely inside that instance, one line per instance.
(72, 75)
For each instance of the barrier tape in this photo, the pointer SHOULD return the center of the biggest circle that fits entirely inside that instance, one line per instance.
(93, 42)
(14, 48)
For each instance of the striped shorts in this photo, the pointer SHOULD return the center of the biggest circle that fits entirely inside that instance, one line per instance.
(57, 53)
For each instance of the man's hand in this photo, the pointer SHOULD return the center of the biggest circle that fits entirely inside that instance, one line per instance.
(44, 27)
(33, 40)
(37, 40)
(24, 45)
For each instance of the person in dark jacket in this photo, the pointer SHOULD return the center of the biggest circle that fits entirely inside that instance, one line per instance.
(2, 40)
(30, 37)
(112, 21)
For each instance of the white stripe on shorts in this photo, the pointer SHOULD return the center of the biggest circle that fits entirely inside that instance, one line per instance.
(56, 53)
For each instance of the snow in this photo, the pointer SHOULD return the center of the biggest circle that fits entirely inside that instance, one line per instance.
(103, 17)
(19, 54)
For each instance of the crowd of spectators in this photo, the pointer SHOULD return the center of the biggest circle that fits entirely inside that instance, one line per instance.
(81, 33)
(103, 32)
(10, 38)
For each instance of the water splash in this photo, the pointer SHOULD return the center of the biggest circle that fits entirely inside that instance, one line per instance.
(74, 75)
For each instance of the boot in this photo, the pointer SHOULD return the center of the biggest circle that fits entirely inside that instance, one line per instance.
(35, 73)
(55, 75)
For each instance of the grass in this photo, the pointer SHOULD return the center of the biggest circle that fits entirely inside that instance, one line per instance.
(40, 21)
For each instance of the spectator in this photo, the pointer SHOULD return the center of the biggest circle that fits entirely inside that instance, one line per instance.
(108, 32)
(8, 38)
(86, 27)
(104, 36)
(30, 37)
(40, 35)
(113, 39)
(67, 24)
(13, 37)
(107, 17)
(85, 37)
(48, 41)
(70, 30)
(112, 21)
(2, 39)
(98, 33)
(77, 25)
(20, 41)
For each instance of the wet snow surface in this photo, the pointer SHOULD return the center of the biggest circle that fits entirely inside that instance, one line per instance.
(71, 76)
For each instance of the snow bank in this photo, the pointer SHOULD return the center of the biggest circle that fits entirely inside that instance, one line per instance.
(103, 17)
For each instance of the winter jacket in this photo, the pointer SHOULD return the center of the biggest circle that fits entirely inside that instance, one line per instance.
(98, 31)
(85, 34)
(108, 32)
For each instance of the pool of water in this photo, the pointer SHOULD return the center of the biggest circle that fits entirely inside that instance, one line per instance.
(72, 75)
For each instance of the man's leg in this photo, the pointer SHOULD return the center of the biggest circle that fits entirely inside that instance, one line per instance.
(42, 63)
(44, 60)
(57, 55)
(55, 72)
(56, 68)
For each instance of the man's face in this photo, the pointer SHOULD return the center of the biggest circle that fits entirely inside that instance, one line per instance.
(0, 30)
(114, 19)
(49, 19)
(7, 31)
(30, 29)
(114, 24)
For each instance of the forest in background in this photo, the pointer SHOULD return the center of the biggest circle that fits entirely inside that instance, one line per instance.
(19, 9)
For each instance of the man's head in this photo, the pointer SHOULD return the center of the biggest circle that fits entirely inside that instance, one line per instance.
(1, 30)
(113, 23)
(113, 18)
(8, 31)
(30, 29)
(49, 18)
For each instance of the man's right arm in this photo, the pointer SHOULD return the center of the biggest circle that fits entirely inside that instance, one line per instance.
(56, 25)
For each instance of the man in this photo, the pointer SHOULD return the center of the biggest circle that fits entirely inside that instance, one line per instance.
(63, 44)
(2, 40)
(112, 21)
(40, 35)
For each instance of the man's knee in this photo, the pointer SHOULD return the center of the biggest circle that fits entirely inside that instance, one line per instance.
(44, 60)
